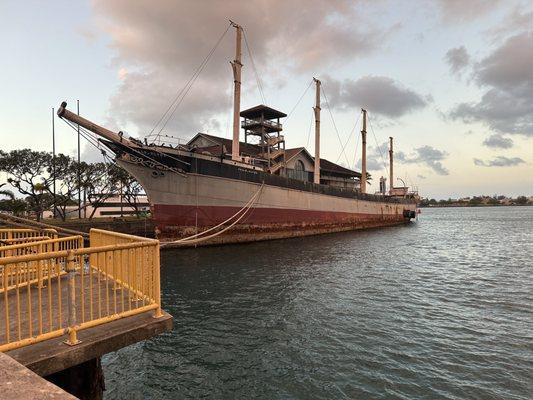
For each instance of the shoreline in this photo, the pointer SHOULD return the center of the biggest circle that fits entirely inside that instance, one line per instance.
(473, 205)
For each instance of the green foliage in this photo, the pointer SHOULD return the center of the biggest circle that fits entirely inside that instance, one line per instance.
(493, 201)
(12, 205)
(130, 188)
(31, 173)
(521, 200)
(27, 171)
(475, 201)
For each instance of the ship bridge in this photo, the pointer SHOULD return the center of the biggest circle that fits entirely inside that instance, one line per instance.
(262, 124)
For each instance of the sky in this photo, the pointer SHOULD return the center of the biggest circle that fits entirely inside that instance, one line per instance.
(450, 80)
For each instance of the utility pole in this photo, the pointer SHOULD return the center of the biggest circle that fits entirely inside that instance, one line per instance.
(316, 109)
(79, 171)
(391, 172)
(54, 162)
(121, 201)
(363, 156)
(237, 66)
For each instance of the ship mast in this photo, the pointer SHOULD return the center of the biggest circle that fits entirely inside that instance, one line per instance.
(316, 109)
(237, 66)
(391, 174)
(363, 156)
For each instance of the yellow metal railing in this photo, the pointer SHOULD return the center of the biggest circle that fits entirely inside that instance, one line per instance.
(31, 271)
(57, 290)
(15, 235)
(40, 244)
(100, 237)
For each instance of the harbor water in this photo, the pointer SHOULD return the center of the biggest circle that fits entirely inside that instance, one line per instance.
(439, 309)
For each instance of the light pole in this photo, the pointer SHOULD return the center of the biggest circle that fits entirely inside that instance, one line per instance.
(54, 160)
(79, 169)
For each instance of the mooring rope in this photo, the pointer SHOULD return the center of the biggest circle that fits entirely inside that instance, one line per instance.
(243, 211)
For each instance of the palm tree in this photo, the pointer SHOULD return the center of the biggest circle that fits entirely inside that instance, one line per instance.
(7, 193)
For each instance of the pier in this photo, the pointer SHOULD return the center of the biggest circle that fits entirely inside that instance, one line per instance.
(63, 305)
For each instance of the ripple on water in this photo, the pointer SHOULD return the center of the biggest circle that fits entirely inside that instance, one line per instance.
(438, 309)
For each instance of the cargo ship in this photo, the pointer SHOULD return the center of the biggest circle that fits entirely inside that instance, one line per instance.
(213, 190)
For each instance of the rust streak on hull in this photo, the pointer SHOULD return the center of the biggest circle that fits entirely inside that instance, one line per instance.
(178, 222)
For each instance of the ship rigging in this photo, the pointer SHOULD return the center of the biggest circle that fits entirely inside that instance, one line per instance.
(215, 190)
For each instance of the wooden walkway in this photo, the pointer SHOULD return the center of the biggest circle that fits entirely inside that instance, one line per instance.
(54, 355)
(107, 299)
(63, 306)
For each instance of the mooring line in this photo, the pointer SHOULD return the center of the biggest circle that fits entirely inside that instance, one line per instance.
(197, 239)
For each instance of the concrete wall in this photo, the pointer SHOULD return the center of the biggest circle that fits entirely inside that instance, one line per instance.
(133, 226)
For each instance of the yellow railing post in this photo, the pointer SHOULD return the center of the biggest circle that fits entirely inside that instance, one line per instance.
(71, 279)
(156, 269)
(40, 284)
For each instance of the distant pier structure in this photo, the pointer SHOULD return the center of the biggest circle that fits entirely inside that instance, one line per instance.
(63, 306)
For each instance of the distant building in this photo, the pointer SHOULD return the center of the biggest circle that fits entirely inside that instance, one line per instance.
(110, 207)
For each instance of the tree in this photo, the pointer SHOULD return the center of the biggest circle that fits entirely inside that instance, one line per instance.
(521, 200)
(131, 189)
(12, 205)
(71, 177)
(423, 202)
(27, 171)
(475, 201)
(101, 182)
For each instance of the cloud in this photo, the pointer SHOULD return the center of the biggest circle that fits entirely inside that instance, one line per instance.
(88, 33)
(421, 176)
(122, 73)
(458, 59)
(377, 158)
(378, 94)
(161, 46)
(507, 74)
(498, 142)
(499, 161)
(428, 156)
(518, 20)
(459, 11)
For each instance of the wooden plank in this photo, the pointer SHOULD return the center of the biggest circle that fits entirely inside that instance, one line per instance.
(104, 287)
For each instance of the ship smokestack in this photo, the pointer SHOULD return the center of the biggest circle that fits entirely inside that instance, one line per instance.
(363, 156)
(316, 109)
(391, 160)
(237, 66)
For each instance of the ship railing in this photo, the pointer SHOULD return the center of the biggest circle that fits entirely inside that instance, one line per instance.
(62, 291)
(262, 122)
